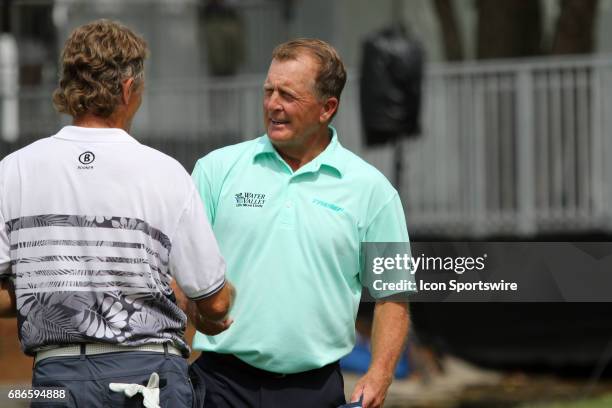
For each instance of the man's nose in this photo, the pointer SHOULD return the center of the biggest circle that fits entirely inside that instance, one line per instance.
(272, 102)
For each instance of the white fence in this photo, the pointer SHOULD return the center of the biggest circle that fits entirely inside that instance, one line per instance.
(513, 148)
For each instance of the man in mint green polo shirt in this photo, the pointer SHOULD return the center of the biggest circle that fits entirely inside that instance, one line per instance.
(290, 210)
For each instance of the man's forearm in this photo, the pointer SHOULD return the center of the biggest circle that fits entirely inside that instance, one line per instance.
(211, 315)
(389, 331)
(388, 335)
(181, 300)
(7, 299)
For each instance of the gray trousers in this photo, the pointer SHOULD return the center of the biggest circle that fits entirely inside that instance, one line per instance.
(86, 379)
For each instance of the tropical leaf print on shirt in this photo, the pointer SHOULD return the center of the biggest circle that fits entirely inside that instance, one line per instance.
(105, 321)
(92, 279)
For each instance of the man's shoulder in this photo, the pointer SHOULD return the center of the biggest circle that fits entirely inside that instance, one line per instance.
(157, 157)
(227, 156)
(359, 170)
(167, 172)
(38, 147)
(45, 150)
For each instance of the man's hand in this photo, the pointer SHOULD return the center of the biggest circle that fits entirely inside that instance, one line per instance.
(373, 386)
(204, 325)
(211, 315)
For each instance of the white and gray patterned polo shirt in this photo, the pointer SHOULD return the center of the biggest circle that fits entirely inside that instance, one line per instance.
(94, 227)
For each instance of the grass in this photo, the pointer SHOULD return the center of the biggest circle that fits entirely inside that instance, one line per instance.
(599, 402)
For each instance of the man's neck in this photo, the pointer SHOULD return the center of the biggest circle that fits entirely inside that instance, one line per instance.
(298, 156)
(92, 121)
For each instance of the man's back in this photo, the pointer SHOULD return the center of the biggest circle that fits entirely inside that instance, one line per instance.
(91, 217)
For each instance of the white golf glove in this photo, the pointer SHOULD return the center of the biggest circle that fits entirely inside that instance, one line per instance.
(150, 393)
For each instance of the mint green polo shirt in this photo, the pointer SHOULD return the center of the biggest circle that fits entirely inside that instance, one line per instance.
(292, 241)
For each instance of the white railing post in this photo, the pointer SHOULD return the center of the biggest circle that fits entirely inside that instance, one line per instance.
(525, 152)
(479, 200)
(9, 88)
(606, 106)
(599, 197)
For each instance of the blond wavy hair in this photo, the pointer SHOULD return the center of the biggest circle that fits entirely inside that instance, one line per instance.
(96, 59)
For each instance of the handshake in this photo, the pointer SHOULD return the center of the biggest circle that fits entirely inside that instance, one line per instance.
(210, 315)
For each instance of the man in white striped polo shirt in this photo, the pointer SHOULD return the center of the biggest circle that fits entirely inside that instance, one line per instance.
(95, 227)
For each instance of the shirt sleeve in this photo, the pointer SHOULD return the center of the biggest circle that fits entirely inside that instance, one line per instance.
(389, 224)
(387, 237)
(195, 260)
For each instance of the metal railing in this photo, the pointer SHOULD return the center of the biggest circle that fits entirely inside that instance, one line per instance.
(513, 148)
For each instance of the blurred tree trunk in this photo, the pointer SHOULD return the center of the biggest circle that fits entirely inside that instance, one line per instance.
(575, 29)
(453, 45)
(5, 16)
(509, 28)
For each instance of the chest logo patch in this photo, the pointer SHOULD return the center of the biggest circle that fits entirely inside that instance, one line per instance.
(250, 200)
(327, 205)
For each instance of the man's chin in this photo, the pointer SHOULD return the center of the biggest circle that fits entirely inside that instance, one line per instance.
(279, 138)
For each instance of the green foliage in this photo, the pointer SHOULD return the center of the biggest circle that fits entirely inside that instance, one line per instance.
(599, 402)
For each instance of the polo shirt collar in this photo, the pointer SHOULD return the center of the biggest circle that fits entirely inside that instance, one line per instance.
(85, 134)
(329, 157)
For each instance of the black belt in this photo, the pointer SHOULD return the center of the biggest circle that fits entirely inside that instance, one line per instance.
(208, 359)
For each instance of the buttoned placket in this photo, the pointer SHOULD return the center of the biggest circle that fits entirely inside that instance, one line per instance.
(288, 211)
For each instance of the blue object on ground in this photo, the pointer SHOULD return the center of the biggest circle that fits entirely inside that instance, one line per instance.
(358, 360)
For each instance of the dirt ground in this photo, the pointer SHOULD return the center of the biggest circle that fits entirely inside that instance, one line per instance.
(15, 367)
(462, 385)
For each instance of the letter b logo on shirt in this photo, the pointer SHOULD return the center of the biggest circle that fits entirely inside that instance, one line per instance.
(87, 158)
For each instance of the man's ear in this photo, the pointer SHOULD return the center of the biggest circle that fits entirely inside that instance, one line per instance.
(126, 90)
(329, 108)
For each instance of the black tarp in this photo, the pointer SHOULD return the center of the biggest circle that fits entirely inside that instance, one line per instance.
(390, 86)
